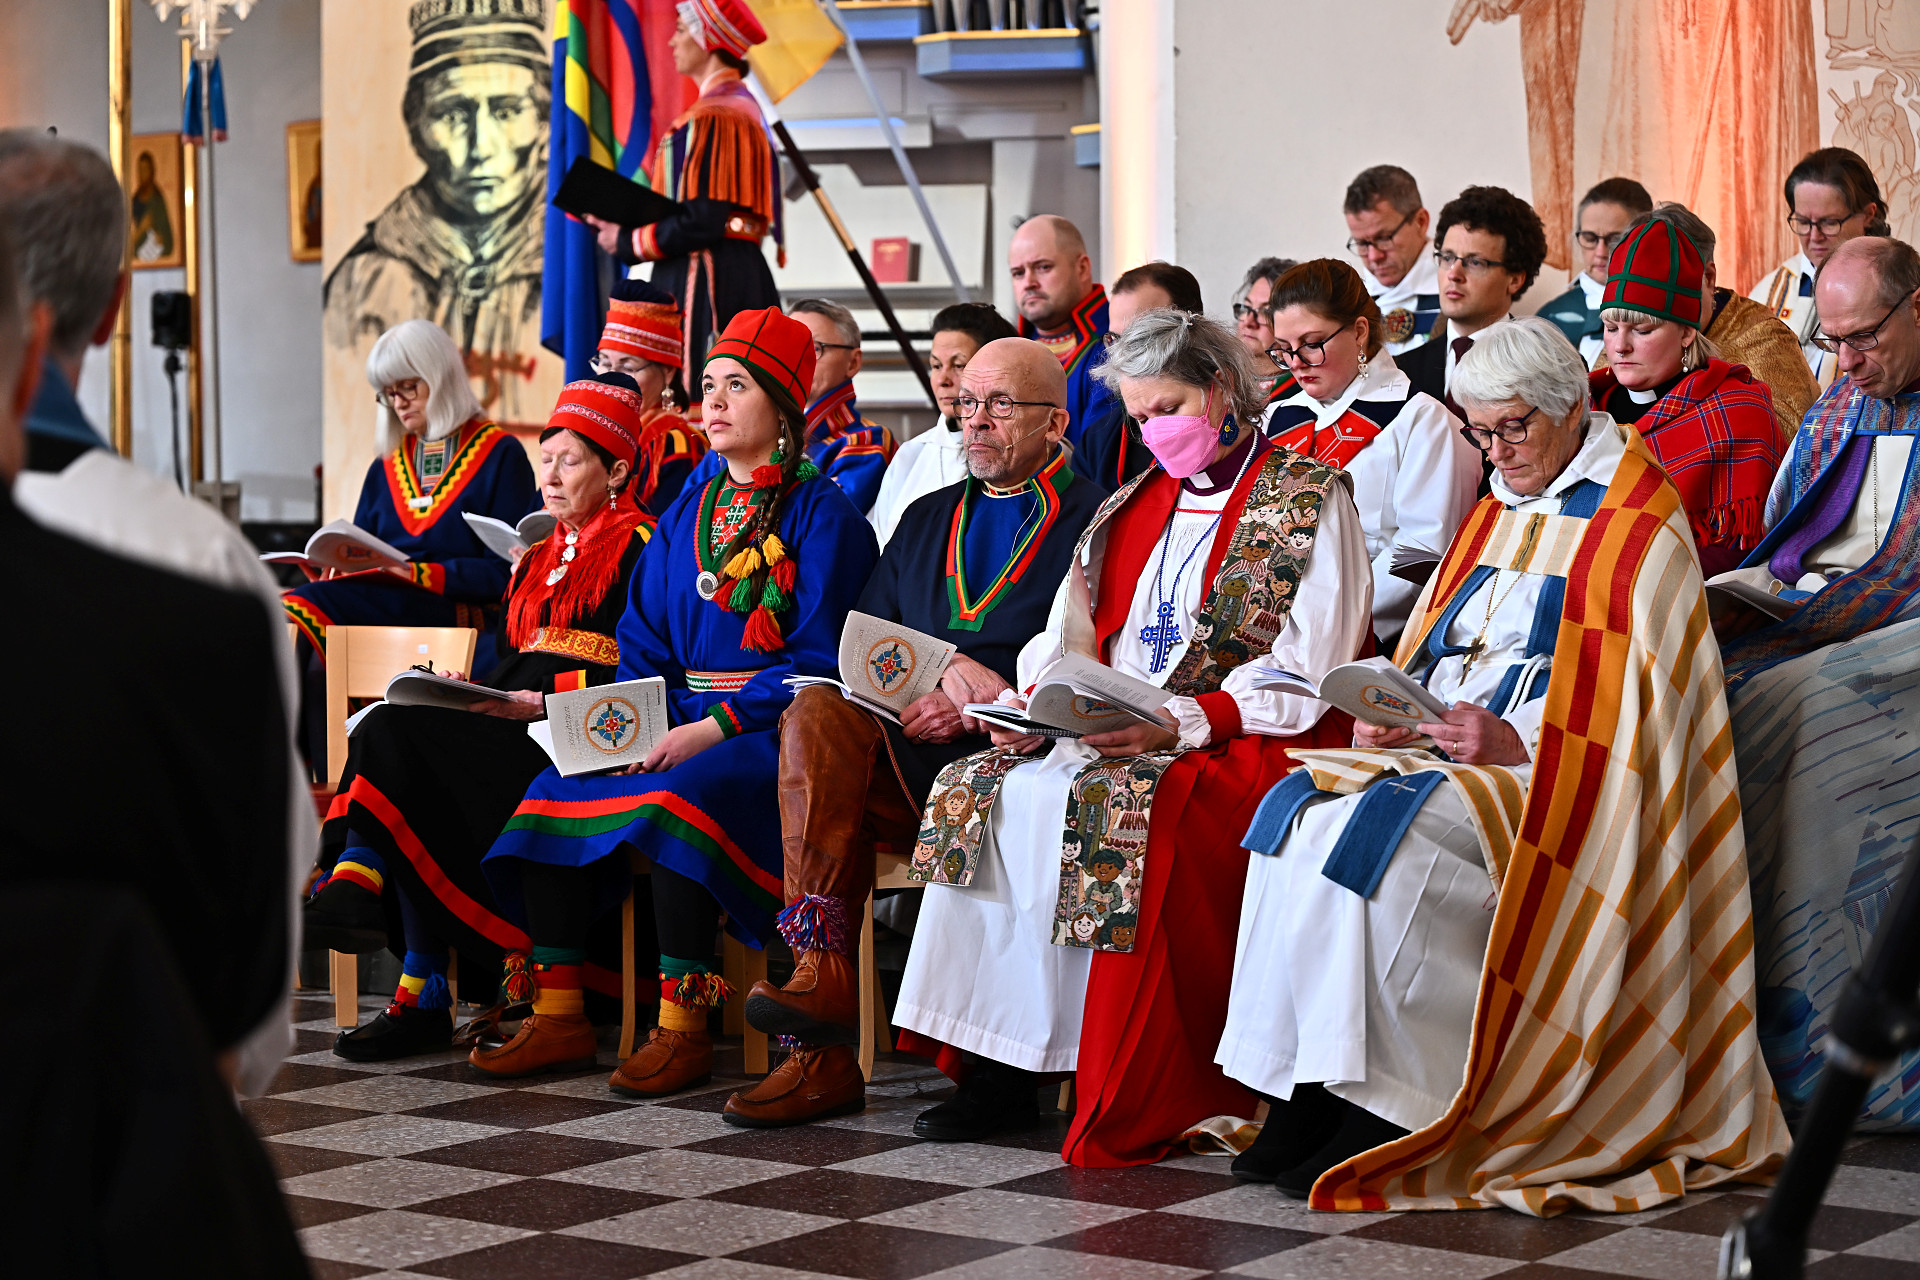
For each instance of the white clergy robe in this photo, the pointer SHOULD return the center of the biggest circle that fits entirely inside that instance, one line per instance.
(1417, 292)
(925, 464)
(1374, 996)
(983, 974)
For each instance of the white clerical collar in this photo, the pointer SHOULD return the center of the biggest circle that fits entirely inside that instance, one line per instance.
(1597, 459)
(1641, 397)
(1422, 277)
(1593, 289)
(1383, 380)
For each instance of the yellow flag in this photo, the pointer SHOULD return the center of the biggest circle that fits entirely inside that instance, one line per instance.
(799, 41)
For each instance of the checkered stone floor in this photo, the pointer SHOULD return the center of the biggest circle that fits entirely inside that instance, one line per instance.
(426, 1168)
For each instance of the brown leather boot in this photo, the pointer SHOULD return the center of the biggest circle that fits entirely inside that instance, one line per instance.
(820, 1004)
(553, 1042)
(668, 1062)
(814, 1082)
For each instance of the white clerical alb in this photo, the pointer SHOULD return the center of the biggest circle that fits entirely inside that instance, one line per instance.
(1374, 996)
(983, 974)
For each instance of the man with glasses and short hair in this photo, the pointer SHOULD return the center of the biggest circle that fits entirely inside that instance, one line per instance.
(978, 564)
(1387, 232)
(1842, 554)
(1491, 244)
(1598, 226)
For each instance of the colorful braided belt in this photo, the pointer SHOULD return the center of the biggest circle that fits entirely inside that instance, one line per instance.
(719, 681)
(588, 646)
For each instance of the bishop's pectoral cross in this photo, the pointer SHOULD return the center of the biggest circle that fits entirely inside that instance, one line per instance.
(1161, 637)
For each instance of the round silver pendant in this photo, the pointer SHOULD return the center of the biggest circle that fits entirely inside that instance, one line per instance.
(707, 584)
(558, 573)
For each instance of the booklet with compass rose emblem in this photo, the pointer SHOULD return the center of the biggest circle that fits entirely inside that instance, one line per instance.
(607, 726)
(884, 666)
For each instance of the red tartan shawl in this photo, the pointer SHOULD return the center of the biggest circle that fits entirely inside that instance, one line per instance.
(1715, 437)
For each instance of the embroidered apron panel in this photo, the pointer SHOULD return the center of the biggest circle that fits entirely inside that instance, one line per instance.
(1103, 852)
(948, 848)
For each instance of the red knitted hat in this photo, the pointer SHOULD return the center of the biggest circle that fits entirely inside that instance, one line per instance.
(722, 24)
(603, 412)
(644, 321)
(1656, 270)
(777, 350)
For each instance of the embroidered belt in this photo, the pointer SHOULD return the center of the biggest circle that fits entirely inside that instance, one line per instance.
(742, 227)
(720, 681)
(588, 646)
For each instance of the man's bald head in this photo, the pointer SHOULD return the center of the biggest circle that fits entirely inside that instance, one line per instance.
(1006, 452)
(1051, 271)
(1872, 284)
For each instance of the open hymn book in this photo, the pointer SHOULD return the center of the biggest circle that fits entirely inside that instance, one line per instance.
(1755, 588)
(884, 666)
(1078, 696)
(341, 545)
(1372, 689)
(510, 541)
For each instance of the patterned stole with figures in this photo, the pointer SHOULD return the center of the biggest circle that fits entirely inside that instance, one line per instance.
(1109, 810)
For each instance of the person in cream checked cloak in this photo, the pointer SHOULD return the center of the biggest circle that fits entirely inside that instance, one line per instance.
(1062, 886)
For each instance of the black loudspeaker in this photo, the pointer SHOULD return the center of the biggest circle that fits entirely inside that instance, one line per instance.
(172, 320)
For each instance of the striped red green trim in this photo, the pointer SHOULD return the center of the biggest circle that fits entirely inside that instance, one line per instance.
(965, 614)
(403, 486)
(667, 810)
(451, 895)
(723, 715)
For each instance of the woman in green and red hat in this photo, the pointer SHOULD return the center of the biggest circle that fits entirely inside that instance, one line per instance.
(1709, 423)
(748, 580)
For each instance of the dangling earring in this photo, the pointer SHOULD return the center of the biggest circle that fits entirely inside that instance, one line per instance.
(1363, 364)
(779, 448)
(1229, 428)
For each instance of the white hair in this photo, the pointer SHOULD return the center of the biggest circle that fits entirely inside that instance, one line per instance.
(1528, 360)
(421, 349)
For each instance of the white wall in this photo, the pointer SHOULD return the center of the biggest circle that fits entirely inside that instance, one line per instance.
(53, 72)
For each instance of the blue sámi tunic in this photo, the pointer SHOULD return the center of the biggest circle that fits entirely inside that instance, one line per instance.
(714, 817)
(457, 581)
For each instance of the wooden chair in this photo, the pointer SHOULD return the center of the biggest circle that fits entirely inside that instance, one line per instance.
(890, 872)
(741, 966)
(360, 662)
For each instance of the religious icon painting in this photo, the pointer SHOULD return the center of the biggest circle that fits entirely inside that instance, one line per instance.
(948, 848)
(156, 206)
(303, 190)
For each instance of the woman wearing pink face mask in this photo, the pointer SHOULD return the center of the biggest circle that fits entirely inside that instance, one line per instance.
(1230, 559)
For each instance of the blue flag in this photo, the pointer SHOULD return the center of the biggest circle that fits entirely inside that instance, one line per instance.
(192, 126)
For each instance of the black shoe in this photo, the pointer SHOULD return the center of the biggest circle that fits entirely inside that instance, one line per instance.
(398, 1031)
(994, 1099)
(1295, 1129)
(1360, 1130)
(345, 917)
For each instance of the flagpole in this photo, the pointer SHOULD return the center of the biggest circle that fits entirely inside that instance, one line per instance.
(812, 181)
(119, 133)
(210, 328)
(899, 152)
(190, 241)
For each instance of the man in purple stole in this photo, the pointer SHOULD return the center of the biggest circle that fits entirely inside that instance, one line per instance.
(977, 564)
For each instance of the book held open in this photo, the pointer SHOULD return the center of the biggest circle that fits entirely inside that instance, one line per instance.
(341, 545)
(1078, 696)
(1372, 689)
(884, 666)
(607, 726)
(510, 541)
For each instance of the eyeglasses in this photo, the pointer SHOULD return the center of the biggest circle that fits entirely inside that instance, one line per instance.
(999, 406)
(1828, 226)
(1511, 430)
(1309, 355)
(1591, 240)
(409, 390)
(1247, 311)
(1379, 244)
(633, 366)
(820, 349)
(1473, 262)
(1865, 340)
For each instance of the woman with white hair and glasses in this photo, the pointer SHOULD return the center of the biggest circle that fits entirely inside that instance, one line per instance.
(1107, 950)
(442, 459)
(1482, 928)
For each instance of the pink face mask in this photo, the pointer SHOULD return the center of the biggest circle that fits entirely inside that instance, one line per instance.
(1184, 443)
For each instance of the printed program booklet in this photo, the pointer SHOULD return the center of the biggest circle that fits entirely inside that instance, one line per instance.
(1078, 696)
(1755, 588)
(884, 666)
(608, 726)
(342, 545)
(510, 541)
(1373, 689)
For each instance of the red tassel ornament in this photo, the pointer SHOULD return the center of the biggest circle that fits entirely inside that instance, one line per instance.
(783, 574)
(766, 477)
(762, 632)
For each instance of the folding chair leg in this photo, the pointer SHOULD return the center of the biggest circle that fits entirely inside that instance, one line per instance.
(629, 981)
(344, 971)
(869, 987)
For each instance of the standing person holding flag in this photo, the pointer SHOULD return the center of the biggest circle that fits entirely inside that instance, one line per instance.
(718, 162)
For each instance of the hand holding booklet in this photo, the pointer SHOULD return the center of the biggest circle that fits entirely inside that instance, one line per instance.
(1373, 690)
(1078, 696)
(884, 666)
(341, 545)
(510, 541)
(607, 726)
